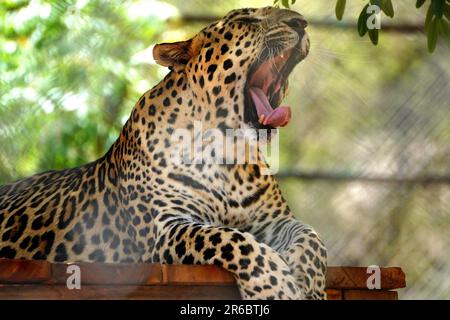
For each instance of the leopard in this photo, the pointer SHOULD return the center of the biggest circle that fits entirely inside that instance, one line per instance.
(136, 205)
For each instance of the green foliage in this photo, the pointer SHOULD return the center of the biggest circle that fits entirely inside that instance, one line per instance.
(70, 72)
(284, 3)
(437, 21)
(362, 21)
(340, 8)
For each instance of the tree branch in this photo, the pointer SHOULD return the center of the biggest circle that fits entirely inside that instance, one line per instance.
(393, 28)
(343, 177)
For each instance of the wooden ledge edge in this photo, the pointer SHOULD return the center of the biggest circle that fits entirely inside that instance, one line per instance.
(34, 271)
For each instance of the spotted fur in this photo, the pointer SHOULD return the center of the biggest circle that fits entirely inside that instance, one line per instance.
(135, 205)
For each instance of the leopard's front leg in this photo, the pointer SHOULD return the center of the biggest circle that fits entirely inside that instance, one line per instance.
(259, 270)
(300, 246)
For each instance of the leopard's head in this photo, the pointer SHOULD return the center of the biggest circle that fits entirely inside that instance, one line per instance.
(238, 66)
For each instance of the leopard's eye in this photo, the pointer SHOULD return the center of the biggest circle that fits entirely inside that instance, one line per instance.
(248, 20)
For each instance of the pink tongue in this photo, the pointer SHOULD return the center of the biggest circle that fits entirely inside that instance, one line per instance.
(278, 117)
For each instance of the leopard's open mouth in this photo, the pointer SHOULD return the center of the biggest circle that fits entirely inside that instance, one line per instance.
(266, 86)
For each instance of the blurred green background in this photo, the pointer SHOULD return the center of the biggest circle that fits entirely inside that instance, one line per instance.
(366, 159)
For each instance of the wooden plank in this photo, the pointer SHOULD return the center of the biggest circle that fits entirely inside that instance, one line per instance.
(95, 292)
(370, 295)
(334, 294)
(23, 271)
(110, 273)
(337, 277)
(356, 278)
(196, 274)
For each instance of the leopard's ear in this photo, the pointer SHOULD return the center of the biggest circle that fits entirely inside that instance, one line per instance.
(174, 55)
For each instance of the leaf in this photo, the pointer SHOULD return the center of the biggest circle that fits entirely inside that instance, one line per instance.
(340, 8)
(438, 7)
(432, 35)
(429, 17)
(388, 8)
(419, 3)
(362, 21)
(285, 3)
(373, 35)
(447, 11)
(444, 28)
(376, 2)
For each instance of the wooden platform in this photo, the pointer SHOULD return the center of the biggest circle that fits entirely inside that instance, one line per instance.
(20, 279)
